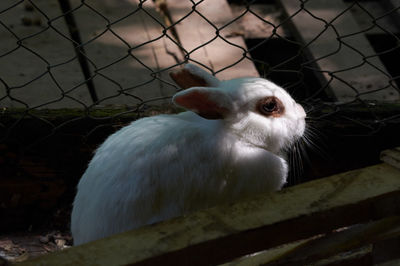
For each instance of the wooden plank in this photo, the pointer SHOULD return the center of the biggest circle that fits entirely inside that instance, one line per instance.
(335, 248)
(223, 233)
(266, 256)
(340, 242)
(360, 256)
(19, 66)
(343, 59)
(110, 29)
(395, 262)
(387, 250)
(198, 37)
(391, 157)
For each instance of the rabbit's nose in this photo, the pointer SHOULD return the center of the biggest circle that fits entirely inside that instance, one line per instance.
(301, 111)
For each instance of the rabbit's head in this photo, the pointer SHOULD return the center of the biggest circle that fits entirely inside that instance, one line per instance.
(256, 110)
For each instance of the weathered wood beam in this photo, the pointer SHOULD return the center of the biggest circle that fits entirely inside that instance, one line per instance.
(391, 157)
(220, 234)
(344, 246)
(345, 240)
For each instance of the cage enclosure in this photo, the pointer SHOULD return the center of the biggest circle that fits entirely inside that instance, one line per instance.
(73, 72)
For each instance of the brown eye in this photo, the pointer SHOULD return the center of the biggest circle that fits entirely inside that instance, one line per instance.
(270, 106)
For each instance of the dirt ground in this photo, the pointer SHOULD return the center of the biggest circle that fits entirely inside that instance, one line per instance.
(17, 247)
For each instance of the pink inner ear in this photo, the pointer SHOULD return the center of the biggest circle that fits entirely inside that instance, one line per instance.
(186, 80)
(201, 104)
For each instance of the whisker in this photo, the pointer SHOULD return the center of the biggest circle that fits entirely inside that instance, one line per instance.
(295, 163)
(318, 148)
(314, 139)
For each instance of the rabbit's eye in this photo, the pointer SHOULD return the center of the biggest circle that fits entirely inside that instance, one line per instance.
(270, 106)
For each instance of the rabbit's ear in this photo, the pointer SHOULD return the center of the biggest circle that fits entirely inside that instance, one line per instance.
(193, 76)
(209, 103)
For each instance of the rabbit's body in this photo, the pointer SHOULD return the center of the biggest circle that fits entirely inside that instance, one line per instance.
(200, 170)
(168, 165)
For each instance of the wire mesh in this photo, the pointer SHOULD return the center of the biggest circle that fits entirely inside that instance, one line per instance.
(74, 71)
(67, 61)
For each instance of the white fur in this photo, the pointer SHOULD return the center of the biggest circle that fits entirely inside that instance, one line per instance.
(168, 165)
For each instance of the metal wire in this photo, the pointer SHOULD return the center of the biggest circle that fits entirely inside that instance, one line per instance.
(312, 95)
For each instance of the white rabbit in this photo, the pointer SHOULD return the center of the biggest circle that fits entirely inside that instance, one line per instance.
(228, 146)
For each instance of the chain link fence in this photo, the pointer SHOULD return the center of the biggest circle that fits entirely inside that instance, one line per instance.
(72, 72)
(86, 55)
